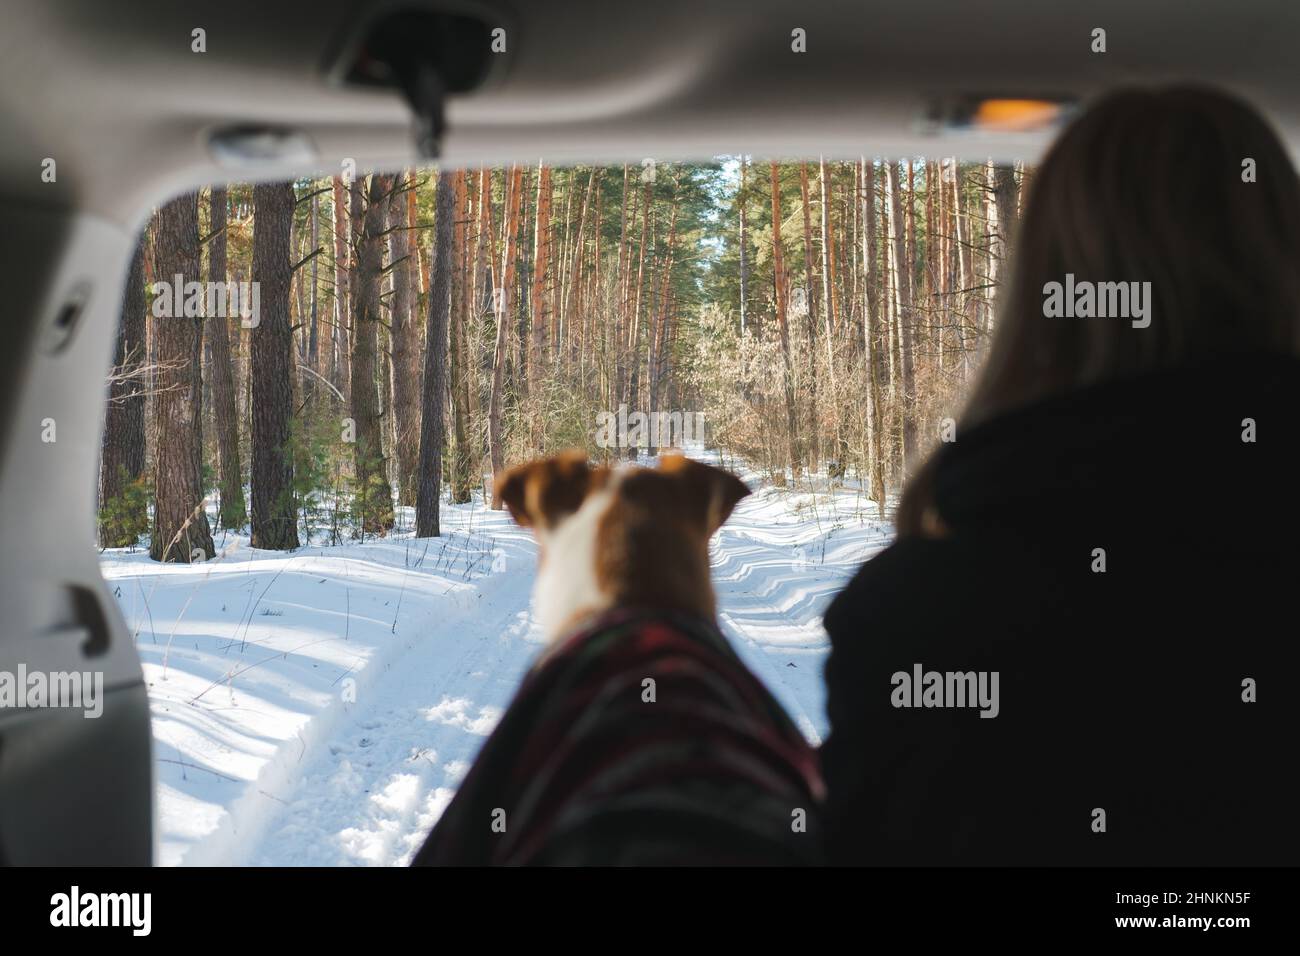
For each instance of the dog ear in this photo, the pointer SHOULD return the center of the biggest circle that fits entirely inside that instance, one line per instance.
(538, 494)
(716, 491)
(510, 491)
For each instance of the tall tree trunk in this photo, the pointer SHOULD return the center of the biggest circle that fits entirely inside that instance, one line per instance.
(575, 261)
(373, 493)
(634, 333)
(496, 449)
(404, 323)
(871, 349)
(313, 328)
(778, 262)
(741, 200)
(892, 326)
(458, 364)
(485, 272)
(829, 303)
(811, 305)
(272, 358)
(384, 344)
(888, 296)
(233, 510)
(989, 214)
(180, 526)
(943, 303)
(631, 292)
(963, 266)
(909, 230)
(933, 252)
(297, 294)
(593, 285)
(565, 239)
(342, 304)
(906, 320)
(659, 330)
(812, 294)
(541, 263)
(123, 454)
(517, 333)
(620, 309)
(1005, 197)
(432, 424)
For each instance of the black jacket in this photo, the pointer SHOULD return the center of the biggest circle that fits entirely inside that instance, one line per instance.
(1119, 691)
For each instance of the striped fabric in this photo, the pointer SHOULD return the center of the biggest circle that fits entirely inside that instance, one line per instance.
(586, 769)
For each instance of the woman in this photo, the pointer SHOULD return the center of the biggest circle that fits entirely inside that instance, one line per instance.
(1081, 649)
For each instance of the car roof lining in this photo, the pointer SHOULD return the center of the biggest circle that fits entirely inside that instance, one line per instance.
(126, 109)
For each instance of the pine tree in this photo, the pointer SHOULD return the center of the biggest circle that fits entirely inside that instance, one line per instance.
(272, 359)
(180, 527)
(373, 495)
(230, 486)
(123, 514)
(433, 422)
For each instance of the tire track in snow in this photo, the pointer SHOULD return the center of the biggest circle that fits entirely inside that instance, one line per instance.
(369, 793)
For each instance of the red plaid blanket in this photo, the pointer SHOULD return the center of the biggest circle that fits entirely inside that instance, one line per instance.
(640, 740)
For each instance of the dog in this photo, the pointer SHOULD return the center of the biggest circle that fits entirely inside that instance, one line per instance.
(626, 537)
(639, 737)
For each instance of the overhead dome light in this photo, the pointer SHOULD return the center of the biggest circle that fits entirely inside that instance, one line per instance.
(1016, 116)
(998, 114)
(244, 146)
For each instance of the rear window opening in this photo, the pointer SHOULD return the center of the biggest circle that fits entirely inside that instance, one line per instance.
(812, 325)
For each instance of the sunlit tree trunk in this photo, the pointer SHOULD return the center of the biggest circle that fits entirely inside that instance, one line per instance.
(432, 424)
(373, 495)
(123, 455)
(741, 201)
(871, 338)
(496, 449)
(458, 364)
(272, 358)
(658, 329)
(829, 303)
(539, 347)
(1005, 195)
(180, 527)
(964, 268)
(404, 323)
(812, 307)
(225, 420)
(342, 370)
(904, 316)
(313, 337)
(778, 261)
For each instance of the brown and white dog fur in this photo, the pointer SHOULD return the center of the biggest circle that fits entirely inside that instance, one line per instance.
(619, 537)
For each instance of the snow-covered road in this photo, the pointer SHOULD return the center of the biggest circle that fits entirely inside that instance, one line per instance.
(319, 708)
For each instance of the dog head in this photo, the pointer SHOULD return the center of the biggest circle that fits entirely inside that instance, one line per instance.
(627, 537)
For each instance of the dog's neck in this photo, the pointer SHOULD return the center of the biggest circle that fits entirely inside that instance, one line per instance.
(567, 587)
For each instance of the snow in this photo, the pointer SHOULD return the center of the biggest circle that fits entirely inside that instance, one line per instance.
(320, 707)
